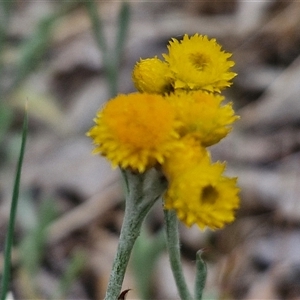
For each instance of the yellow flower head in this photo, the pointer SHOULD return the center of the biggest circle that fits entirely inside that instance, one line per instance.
(150, 76)
(186, 157)
(203, 116)
(135, 131)
(199, 63)
(203, 196)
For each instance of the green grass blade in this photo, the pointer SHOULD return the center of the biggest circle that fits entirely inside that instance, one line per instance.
(111, 58)
(33, 50)
(12, 216)
(123, 26)
(97, 24)
(108, 58)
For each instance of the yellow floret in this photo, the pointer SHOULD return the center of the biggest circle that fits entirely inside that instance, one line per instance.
(135, 131)
(203, 196)
(199, 63)
(186, 157)
(203, 116)
(150, 76)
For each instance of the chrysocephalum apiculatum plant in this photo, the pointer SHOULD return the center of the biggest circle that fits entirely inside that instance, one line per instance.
(162, 132)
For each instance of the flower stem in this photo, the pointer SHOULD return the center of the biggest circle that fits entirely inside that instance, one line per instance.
(173, 245)
(201, 274)
(130, 231)
(143, 191)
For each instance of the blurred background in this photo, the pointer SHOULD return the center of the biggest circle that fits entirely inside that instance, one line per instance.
(60, 56)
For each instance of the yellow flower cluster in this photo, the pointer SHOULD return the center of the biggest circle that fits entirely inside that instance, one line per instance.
(194, 63)
(176, 114)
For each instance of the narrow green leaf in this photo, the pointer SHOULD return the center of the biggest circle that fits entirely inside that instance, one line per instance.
(123, 26)
(13, 211)
(108, 57)
(97, 24)
(111, 57)
(33, 50)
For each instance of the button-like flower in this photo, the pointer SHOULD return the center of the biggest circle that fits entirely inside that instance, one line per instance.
(151, 76)
(203, 115)
(199, 63)
(135, 131)
(202, 195)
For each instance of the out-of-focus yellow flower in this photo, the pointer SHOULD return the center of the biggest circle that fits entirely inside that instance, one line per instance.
(203, 116)
(135, 131)
(151, 76)
(199, 63)
(203, 196)
(186, 157)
